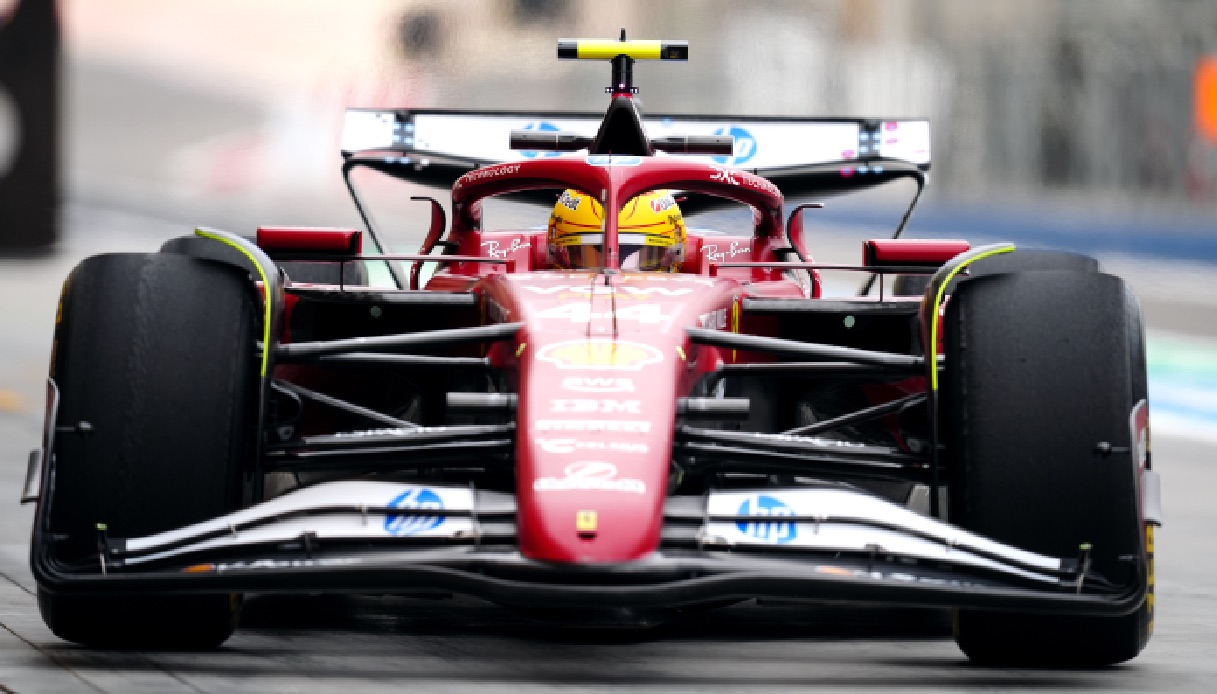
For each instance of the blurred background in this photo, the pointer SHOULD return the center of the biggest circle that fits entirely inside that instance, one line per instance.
(1088, 125)
(1097, 103)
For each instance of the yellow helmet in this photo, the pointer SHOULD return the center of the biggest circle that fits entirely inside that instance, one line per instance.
(650, 233)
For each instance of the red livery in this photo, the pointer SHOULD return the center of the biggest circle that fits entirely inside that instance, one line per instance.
(616, 417)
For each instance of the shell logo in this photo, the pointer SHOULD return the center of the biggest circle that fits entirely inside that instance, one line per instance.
(600, 354)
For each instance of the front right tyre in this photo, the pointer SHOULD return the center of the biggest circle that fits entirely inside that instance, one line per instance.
(157, 352)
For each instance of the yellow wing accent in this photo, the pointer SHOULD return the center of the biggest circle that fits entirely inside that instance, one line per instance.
(933, 355)
(265, 300)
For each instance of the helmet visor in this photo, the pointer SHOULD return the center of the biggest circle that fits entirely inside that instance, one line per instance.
(636, 257)
(585, 257)
(644, 251)
(581, 251)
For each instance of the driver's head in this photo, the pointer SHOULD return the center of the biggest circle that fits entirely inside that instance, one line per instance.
(650, 233)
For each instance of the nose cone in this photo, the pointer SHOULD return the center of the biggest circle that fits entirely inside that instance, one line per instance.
(594, 447)
(602, 368)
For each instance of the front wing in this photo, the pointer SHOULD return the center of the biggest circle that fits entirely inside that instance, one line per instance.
(829, 543)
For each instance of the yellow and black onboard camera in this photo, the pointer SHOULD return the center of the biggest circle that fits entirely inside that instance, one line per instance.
(621, 131)
(622, 53)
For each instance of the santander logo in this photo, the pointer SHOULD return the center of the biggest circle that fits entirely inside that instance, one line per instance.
(590, 475)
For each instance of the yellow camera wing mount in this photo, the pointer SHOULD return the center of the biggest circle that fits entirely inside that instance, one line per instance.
(602, 49)
(622, 54)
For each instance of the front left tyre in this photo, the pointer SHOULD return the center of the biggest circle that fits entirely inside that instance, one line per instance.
(1043, 371)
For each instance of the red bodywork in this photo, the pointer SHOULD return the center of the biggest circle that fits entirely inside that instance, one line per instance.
(603, 357)
(310, 239)
(924, 252)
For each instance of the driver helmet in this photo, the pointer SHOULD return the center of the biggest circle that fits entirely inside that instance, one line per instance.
(650, 233)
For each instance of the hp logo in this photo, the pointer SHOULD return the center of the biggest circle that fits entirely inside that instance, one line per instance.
(421, 499)
(773, 532)
(745, 145)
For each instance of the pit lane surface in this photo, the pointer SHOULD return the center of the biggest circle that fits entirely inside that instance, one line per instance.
(370, 643)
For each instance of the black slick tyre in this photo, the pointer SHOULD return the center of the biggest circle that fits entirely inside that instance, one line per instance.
(1041, 368)
(157, 353)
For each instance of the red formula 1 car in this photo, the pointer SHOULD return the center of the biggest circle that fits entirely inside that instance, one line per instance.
(614, 419)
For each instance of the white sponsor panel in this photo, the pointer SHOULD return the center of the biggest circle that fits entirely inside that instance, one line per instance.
(776, 144)
(391, 510)
(590, 475)
(351, 525)
(483, 137)
(596, 384)
(610, 425)
(328, 494)
(594, 406)
(830, 537)
(908, 140)
(366, 130)
(824, 505)
(852, 538)
(773, 144)
(563, 446)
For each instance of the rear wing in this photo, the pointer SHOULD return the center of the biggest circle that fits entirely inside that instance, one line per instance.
(798, 154)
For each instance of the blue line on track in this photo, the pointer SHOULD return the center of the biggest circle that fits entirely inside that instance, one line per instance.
(1183, 381)
(1191, 238)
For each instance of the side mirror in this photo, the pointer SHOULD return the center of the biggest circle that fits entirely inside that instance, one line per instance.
(794, 229)
(439, 221)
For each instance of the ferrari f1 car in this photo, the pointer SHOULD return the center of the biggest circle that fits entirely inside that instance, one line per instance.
(587, 427)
